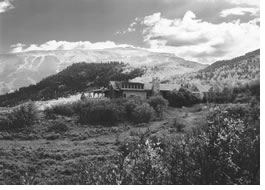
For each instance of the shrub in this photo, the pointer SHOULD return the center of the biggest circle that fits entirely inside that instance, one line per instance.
(131, 104)
(179, 126)
(182, 97)
(224, 151)
(63, 109)
(142, 113)
(99, 112)
(58, 127)
(159, 104)
(21, 117)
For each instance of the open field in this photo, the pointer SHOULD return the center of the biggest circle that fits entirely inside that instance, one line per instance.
(46, 155)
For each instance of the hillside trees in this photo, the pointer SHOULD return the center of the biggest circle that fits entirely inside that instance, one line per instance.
(78, 77)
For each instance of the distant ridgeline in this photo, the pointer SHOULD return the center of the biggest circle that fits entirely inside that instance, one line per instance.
(238, 70)
(232, 72)
(76, 78)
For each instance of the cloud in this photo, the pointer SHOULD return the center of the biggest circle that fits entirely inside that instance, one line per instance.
(5, 6)
(64, 45)
(240, 11)
(235, 2)
(152, 19)
(131, 28)
(245, 2)
(198, 40)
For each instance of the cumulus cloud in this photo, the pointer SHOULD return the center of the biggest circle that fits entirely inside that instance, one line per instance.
(5, 6)
(64, 45)
(199, 40)
(240, 11)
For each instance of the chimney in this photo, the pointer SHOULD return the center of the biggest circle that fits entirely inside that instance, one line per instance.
(155, 86)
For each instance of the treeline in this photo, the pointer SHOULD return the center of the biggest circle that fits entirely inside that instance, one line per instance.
(241, 94)
(78, 77)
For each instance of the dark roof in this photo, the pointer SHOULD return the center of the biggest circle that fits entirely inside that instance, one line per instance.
(119, 85)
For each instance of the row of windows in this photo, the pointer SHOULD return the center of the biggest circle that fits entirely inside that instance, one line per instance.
(134, 86)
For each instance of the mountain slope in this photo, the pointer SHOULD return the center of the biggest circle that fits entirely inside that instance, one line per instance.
(22, 69)
(243, 67)
(77, 78)
(232, 72)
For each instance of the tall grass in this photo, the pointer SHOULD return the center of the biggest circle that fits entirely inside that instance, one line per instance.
(21, 117)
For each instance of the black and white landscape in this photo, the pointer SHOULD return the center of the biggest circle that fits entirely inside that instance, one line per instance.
(129, 92)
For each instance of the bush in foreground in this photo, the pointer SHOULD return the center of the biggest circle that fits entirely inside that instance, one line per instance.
(20, 118)
(225, 151)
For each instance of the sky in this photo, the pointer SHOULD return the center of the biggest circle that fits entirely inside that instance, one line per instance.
(199, 30)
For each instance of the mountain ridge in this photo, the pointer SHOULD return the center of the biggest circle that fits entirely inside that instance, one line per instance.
(226, 73)
(36, 65)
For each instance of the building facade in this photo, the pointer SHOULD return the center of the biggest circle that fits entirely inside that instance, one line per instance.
(124, 89)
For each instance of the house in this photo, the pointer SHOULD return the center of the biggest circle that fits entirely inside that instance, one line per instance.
(124, 89)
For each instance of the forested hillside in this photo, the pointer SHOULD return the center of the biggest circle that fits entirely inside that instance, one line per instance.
(243, 68)
(75, 78)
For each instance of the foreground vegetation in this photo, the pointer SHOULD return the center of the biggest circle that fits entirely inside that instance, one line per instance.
(134, 141)
(223, 150)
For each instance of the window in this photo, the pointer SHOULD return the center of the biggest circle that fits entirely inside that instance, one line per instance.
(124, 95)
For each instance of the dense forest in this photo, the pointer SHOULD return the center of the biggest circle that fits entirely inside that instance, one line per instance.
(78, 77)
